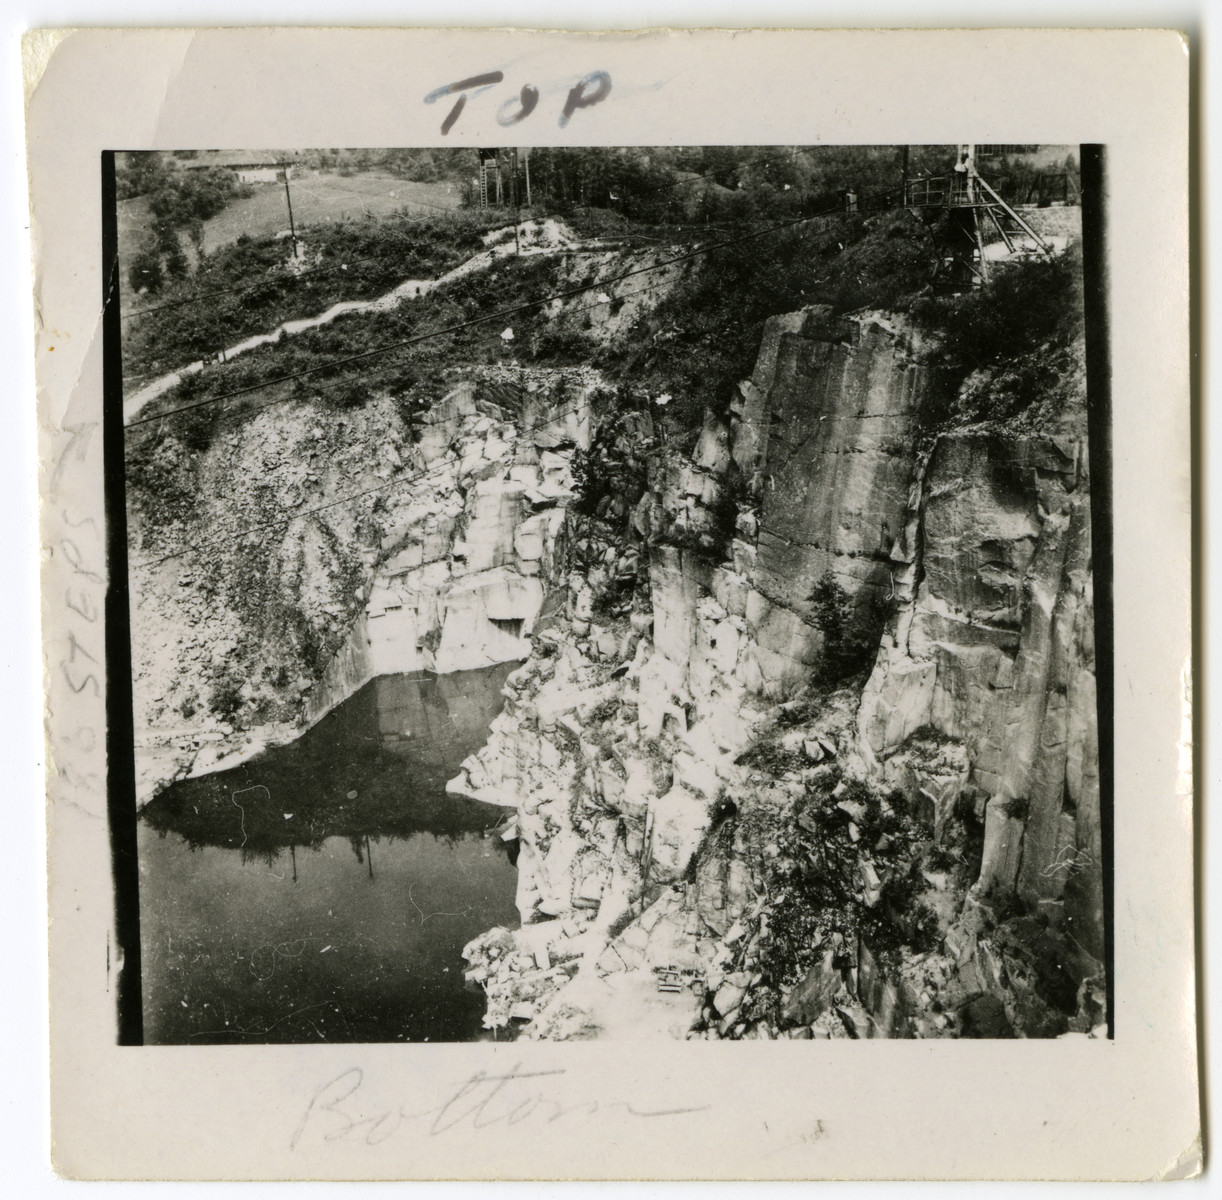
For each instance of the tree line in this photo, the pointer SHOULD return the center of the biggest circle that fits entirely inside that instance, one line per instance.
(179, 202)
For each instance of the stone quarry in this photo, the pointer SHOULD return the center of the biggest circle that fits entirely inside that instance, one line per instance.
(714, 840)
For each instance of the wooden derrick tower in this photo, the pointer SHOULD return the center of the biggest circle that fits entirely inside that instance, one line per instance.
(498, 184)
(975, 211)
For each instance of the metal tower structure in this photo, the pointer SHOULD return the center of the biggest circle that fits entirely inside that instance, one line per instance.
(974, 207)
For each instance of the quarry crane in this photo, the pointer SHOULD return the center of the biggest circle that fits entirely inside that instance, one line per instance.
(973, 205)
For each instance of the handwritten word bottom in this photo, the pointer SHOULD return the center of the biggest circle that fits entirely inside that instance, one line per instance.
(335, 1112)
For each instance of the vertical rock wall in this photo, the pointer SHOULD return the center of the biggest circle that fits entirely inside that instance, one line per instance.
(623, 741)
(466, 567)
(993, 645)
(826, 434)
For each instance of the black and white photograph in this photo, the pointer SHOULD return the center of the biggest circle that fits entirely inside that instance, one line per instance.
(616, 593)
(586, 576)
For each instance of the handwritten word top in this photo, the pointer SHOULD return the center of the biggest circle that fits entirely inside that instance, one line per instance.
(593, 89)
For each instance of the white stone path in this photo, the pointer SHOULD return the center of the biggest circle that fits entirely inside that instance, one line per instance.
(544, 236)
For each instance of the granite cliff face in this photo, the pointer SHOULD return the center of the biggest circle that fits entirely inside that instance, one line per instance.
(441, 563)
(466, 564)
(712, 844)
(993, 645)
(827, 426)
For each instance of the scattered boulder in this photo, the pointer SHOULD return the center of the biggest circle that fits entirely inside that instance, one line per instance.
(811, 998)
(984, 1016)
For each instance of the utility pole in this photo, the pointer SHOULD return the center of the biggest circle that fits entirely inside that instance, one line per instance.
(284, 170)
(526, 158)
(513, 192)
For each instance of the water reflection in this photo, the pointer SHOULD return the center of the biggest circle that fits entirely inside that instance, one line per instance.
(324, 891)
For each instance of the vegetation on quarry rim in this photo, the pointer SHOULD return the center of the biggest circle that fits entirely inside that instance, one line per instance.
(254, 284)
(694, 345)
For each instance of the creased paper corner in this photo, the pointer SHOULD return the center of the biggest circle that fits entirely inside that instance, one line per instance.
(1186, 1165)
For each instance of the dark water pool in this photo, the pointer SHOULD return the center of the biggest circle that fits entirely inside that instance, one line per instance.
(324, 891)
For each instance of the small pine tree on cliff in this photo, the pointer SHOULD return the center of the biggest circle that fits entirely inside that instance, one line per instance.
(850, 637)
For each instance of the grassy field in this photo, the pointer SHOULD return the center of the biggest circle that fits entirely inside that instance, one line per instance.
(317, 199)
(324, 198)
